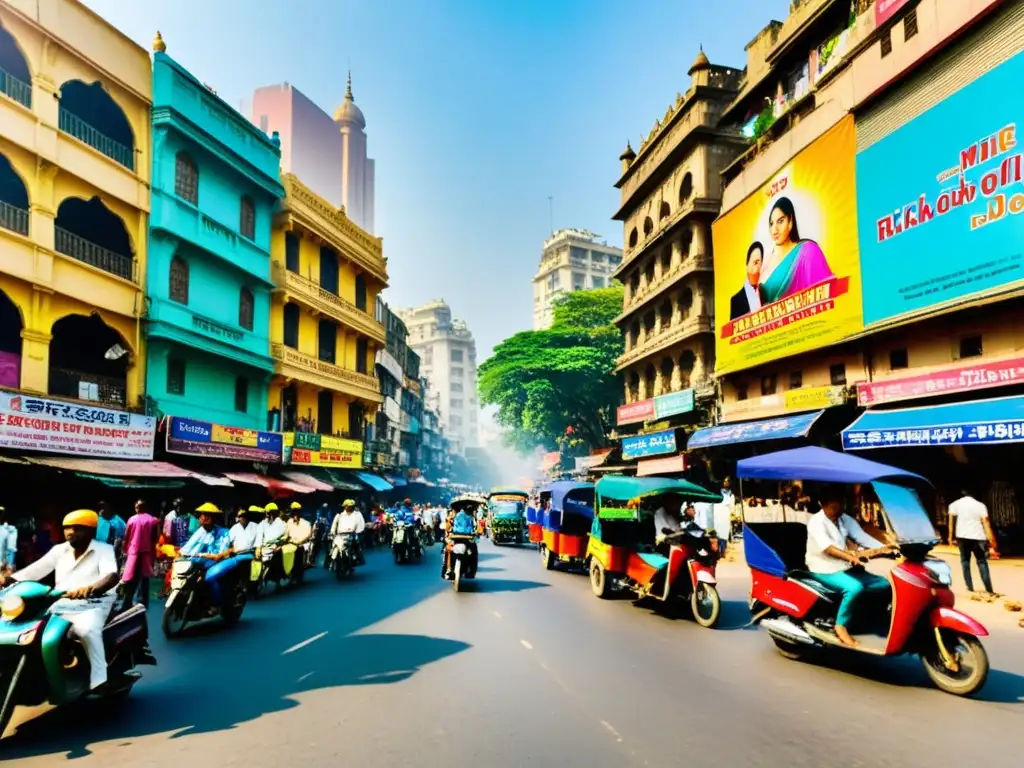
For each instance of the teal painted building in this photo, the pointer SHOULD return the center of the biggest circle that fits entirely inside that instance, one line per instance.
(215, 185)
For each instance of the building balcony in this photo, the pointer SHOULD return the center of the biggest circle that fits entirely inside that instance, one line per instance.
(87, 252)
(103, 390)
(293, 364)
(651, 291)
(75, 126)
(13, 88)
(655, 341)
(293, 285)
(13, 218)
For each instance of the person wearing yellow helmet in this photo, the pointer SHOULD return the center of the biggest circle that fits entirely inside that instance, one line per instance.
(245, 532)
(209, 545)
(349, 522)
(272, 528)
(83, 569)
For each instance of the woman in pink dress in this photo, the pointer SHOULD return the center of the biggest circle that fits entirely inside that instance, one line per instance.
(140, 540)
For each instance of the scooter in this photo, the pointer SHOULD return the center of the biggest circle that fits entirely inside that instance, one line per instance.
(799, 614)
(342, 558)
(42, 662)
(405, 544)
(462, 559)
(191, 601)
(281, 562)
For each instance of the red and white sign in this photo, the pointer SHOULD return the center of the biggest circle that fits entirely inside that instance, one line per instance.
(641, 410)
(886, 9)
(999, 373)
(664, 466)
(30, 423)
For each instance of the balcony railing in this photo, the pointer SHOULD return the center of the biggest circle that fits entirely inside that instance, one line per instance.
(15, 88)
(329, 375)
(94, 255)
(691, 263)
(13, 218)
(79, 385)
(329, 303)
(75, 126)
(656, 340)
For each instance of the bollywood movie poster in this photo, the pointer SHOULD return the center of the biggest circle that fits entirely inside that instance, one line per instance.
(941, 202)
(787, 277)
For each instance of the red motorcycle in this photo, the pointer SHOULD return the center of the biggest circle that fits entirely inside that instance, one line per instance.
(918, 617)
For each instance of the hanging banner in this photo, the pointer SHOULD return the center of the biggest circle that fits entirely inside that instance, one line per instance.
(310, 449)
(941, 200)
(673, 403)
(666, 466)
(787, 278)
(814, 398)
(201, 438)
(38, 424)
(965, 378)
(632, 413)
(649, 445)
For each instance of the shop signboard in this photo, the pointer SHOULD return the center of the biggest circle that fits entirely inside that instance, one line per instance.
(649, 445)
(666, 466)
(963, 378)
(673, 403)
(814, 398)
(201, 438)
(632, 413)
(30, 423)
(310, 449)
(940, 202)
(886, 9)
(787, 278)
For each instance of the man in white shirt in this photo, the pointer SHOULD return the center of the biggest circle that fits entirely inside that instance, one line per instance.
(271, 529)
(970, 530)
(668, 517)
(8, 543)
(836, 564)
(85, 570)
(348, 522)
(244, 533)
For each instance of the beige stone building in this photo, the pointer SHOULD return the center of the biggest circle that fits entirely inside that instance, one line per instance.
(671, 191)
(571, 260)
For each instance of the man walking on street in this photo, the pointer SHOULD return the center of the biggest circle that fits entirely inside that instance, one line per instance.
(970, 530)
(141, 534)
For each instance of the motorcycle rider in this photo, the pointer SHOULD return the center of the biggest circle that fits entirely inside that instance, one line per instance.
(84, 569)
(349, 521)
(463, 524)
(272, 527)
(244, 533)
(209, 547)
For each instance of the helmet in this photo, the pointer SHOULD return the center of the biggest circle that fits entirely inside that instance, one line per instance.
(255, 509)
(348, 503)
(295, 505)
(271, 507)
(83, 517)
(407, 502)
(208, 508)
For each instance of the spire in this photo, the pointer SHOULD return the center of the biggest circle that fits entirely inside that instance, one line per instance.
(159, 46)
(348, 87)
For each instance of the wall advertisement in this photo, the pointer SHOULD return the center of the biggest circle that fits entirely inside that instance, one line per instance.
(201, 438)
(787, 277)
(940, 202)
(322, 451)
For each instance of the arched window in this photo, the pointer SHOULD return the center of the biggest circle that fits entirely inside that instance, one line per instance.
(648, 226)
(664, 211)
(632, 238)
(686, 188)
(361, 292)
(291, 325)
(179, 280)
(186, 178)
(246, 309)
(247, 218)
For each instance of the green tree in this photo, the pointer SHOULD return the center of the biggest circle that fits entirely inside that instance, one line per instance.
(545, 382)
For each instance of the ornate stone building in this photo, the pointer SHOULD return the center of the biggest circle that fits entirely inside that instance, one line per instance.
(671, 192)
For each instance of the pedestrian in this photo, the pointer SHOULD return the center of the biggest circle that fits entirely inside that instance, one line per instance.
(970, 530)
(723, 522)
(8, 543)
(111, 529)
(140, 539)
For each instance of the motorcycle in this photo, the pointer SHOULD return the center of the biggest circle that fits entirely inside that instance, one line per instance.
(343, 558)
(191, 600)
(277, 563)
(427, 534)
(405, 544)
(462, 559)
(42, 662)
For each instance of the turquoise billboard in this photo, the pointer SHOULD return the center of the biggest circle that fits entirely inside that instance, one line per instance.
(940, 201)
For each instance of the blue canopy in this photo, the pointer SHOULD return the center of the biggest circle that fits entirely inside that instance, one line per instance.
(581, 493)
(778, 428)
(821, 464)
(377, 483)
(1000, 420)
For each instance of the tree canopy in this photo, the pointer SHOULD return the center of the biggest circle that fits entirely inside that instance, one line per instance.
(545, 382)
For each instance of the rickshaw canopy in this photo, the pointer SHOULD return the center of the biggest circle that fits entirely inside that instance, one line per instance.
(624, 489)
(465, 501)
(513, 494)
(580, 493)
(819, 464)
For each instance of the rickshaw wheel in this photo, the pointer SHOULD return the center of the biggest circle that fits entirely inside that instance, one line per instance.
(792, 651)
(706, 605)
(547, 558)
(598, 579)
(974, 665)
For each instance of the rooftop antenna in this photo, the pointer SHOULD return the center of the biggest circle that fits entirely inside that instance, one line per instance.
(551, 213)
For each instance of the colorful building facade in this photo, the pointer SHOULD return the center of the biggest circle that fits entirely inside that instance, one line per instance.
(215, 185)
(75, 161)
(327, 273)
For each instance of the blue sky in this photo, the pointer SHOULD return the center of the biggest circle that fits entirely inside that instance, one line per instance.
(477, 111)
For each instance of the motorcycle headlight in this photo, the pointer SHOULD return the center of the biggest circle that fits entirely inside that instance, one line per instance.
(12, 607)
(181, 567)
(940, 570)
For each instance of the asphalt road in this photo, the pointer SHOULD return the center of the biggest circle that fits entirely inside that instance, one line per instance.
(526, 668)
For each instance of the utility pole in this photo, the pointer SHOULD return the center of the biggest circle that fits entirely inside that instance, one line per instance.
(551, 214)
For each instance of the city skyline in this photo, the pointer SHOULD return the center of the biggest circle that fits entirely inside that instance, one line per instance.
(457, 68)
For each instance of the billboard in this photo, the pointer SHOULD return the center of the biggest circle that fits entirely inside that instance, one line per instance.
(201, 438)
(940, 202)
(322, 450)
(787, 278)
(649, 445)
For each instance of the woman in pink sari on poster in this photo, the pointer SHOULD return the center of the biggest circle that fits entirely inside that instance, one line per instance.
(793, 265)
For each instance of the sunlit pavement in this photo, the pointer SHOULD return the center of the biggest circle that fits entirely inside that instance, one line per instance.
(525, 668)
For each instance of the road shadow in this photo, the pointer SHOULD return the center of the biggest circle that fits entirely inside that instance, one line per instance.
(220, 700)
(491, 586)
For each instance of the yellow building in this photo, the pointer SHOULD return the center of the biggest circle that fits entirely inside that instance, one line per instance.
(323, 330)
(75, 98)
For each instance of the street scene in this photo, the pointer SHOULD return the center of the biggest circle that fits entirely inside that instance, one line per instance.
(478, 382)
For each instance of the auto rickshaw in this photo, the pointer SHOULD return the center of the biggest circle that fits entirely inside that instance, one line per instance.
(625, 553)
(534, 529)
(461, 547)
(566, 524)
(506, 515)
